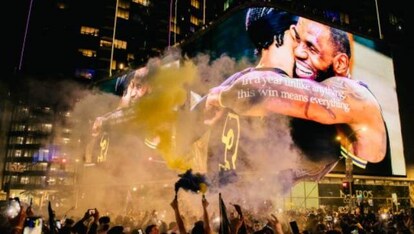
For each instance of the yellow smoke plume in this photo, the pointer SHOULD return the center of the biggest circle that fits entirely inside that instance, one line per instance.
(157, 112)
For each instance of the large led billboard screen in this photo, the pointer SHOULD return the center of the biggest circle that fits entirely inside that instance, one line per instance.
(262, 95)
(370, 62)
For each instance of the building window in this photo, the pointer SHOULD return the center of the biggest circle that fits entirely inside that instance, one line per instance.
(175, 29)
(46, 127)
(28, 153)
(65, 140)
(123, 14)
(130, 57)
(40, 167)
(13, 179)
(22, 110)
(142, 2)
(32, 140)
(123, 4)
(89, 31)
(344, 18)
(105, 43)
(24, 180)
(33, 128)
(61, 5)
(120, 44)
(194, 20)
(43, 154)
(87, 53)
(51, 181)
(113, 65)
(16, 140)
(18, 127)
(15, 167)
(195, 4)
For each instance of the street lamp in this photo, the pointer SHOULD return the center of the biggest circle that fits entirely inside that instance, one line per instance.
(349, 161)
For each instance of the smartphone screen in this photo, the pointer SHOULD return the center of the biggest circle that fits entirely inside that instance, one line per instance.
(33, 225)
(294, 227)
(58, 224)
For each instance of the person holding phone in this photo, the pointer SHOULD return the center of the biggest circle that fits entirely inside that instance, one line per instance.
(33, 225)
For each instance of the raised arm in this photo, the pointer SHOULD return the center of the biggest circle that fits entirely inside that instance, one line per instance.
(178, 218)
(337, 100)
(206, 219)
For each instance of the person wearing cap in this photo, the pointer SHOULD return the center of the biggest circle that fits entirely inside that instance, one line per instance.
(334, 103)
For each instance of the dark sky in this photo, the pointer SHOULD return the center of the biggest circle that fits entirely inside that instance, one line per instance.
(13, 34)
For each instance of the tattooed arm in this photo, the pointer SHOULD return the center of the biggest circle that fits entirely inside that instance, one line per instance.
(336, 100)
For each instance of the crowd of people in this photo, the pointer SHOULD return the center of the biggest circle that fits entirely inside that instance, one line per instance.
(239, 221)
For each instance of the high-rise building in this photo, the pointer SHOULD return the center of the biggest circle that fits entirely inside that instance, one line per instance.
(89, 41)
(36, 164)
(38, 160)
(97, 39)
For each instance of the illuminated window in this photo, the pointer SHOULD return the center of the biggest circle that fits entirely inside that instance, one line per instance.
(43, 153)
(195, 3)
(28, 153)
(46, 127)
(130, 57)
(18, 153)
(19, 127)
(123, 4)
(13, 179)
(120, 44)
(51, 181)
(142, 2)
(33, 128)
(175, 29)
(16, 140)
(65, 140)
(113, 65)
(61, 5)
(89, 31)
(105, 43)
(194, 20)
(30, 140)
(24, 180)
(122, 13)
(87, 53)
(344, 18)
(39, 167)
